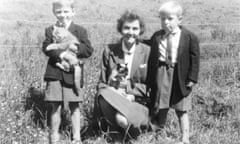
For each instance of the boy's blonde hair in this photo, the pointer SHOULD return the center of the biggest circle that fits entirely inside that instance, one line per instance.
(61, 3)
(171, 7)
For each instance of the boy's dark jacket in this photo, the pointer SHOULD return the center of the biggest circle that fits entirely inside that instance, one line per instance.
(188, 59)
(84, 50)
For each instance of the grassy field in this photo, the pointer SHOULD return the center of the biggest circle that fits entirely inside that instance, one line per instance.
(215, 118)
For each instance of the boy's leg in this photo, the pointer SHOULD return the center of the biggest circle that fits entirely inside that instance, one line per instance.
(75, 117)
(161, 118)
(184, 125)
(55, 121)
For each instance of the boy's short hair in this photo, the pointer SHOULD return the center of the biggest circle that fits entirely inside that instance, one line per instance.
(130, 16)
(171, 7)
(60, 3)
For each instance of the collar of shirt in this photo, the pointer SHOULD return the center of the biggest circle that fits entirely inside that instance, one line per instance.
(66, 26)
(174, 32)
(126, 51)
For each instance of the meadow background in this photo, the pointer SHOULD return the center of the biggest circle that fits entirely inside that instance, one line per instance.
(215, 118)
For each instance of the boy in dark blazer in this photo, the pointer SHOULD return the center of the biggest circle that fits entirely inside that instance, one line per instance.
(173, 68)
(60, 83)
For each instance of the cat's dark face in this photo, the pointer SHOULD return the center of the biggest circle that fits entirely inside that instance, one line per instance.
(122, 70)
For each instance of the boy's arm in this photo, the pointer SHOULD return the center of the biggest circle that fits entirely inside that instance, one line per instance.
(147, 41)
(49, 42)
(105, 70)
(85, 49)
(194, 59)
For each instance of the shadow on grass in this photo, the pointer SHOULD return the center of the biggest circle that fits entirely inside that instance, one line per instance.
(41, 109)
(40, 115)
(38, 107)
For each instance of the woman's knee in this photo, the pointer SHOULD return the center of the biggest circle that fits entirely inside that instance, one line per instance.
(121, 120)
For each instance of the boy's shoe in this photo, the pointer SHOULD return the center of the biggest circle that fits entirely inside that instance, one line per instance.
(54, 138)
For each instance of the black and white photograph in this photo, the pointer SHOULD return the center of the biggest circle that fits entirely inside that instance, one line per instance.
(120, 72)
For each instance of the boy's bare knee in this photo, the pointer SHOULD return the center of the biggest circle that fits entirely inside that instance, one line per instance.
(181, 113)
(56, 107)
(74, 106)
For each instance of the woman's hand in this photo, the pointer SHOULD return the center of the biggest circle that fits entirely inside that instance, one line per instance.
(130, 97)
(124, 83)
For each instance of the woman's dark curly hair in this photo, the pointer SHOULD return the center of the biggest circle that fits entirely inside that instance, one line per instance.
(130, 16)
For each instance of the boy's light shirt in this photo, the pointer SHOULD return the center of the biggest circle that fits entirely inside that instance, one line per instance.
(128, 57)
(163, 46)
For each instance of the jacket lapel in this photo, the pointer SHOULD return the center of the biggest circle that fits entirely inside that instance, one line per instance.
(117, 54)
(137, 59)
(159, 37)
(181, 43)
(72, 28)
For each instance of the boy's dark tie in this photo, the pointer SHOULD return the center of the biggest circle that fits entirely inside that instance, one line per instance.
(169, 49)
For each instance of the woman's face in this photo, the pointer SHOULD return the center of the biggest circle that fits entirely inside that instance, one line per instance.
(130, 32)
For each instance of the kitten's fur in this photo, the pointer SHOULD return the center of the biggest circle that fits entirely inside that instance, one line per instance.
(118, 74)
(65, 40)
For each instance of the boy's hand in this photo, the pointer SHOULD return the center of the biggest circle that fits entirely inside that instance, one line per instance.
(52, 46)
(190, 84)
(62, 55)
(73, 48)
(72, 59)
